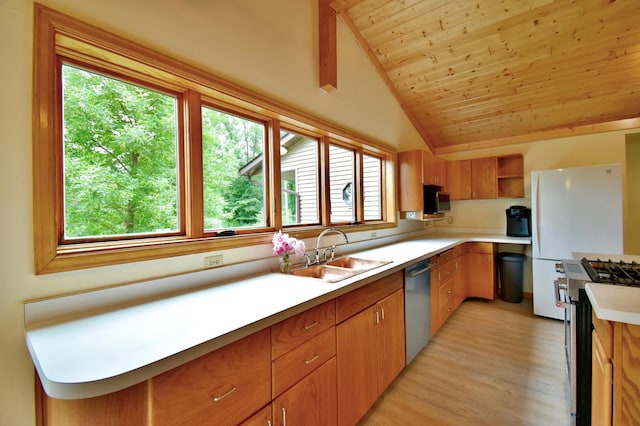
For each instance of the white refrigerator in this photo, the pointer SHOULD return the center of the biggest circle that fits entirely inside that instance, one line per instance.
(573, 210)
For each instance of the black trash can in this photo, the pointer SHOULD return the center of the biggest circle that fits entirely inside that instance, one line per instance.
(511, 267)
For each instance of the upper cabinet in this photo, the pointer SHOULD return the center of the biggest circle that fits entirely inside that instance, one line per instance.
(483, 178)
(416, 168)
(434, 169)
(511, 176)
(474, 179)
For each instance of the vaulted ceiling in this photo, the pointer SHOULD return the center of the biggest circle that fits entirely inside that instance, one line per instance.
(480, 73)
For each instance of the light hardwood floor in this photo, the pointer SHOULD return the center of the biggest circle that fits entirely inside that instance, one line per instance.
(492, 363)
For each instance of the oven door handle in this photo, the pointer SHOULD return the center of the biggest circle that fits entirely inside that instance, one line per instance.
(560, 285)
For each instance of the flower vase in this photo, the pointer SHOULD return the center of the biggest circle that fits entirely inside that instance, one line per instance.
(285, 266)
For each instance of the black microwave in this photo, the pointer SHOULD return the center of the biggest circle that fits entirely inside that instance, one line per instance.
(435, 200)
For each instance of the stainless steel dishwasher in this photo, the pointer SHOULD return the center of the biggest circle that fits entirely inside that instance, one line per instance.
(417, 307)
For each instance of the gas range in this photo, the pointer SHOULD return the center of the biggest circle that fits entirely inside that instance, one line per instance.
(580, 272)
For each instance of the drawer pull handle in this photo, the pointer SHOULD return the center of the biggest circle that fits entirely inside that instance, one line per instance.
(313, 358)
(224, 395)
(310, 326)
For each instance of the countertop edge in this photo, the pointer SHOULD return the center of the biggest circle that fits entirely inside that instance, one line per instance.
(614, 303)
(435, 243)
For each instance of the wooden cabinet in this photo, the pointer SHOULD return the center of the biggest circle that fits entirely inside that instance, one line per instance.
(459, 179)
(304, 367)
(484, 178)
(448, 289)
(602, 350)
(264, 417)
(480, 270)
(416, 168)
(223, 387)
(511, 176)
(434, 169)
(370, 345)
(125, 407)
(311, 401)
(615, 384)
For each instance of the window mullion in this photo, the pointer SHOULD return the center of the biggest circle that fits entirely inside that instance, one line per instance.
(325, 195)
(191, 168)
(272, 168)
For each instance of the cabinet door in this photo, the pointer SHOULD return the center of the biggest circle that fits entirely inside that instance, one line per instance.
(125, 407)
(312, 401)
(433, 169)
(626, 378)
(436, 322)
(410, 180)
(484, 183)
(480, 275)
(390, 339)
(459, 282)
(357, 364)
(601, 384)
(223, 387)
(261, 418)
(459, 179)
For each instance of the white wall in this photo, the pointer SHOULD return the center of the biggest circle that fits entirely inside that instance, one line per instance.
(268, 46)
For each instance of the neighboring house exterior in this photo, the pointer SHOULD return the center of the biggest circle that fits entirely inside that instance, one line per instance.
(300, 177)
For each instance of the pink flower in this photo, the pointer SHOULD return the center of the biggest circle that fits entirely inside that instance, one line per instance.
(283, 243)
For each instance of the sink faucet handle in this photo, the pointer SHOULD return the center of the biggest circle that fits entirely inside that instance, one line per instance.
(332, 252)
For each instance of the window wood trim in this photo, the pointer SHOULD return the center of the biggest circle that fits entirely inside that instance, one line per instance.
(58, 34)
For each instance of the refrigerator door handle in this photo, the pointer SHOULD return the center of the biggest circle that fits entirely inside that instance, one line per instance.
(536, 209)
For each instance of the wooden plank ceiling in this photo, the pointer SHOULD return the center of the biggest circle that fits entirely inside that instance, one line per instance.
(480, 73)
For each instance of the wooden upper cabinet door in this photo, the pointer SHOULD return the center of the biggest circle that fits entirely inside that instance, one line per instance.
(434, 169)
(484, 178)
(223, 387)
(410, 181)
(459, 179)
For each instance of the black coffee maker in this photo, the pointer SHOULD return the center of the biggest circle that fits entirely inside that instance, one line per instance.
(518, 221)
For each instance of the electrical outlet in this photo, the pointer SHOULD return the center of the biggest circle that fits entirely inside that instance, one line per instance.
(213, 261)
(373, 235)
(450, 219)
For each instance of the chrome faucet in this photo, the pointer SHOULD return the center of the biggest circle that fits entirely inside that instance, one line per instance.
(323, 258)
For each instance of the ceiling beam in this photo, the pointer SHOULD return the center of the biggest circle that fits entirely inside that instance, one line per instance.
(328, 53)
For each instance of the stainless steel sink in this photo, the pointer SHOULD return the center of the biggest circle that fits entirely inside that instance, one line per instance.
(339, 269)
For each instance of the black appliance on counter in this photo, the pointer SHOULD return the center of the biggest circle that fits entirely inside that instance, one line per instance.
(518, 221)
(571, 295)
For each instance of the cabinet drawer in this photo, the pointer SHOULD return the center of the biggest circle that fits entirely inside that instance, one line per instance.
(451, 254)
(445, 295)
(446, 272)
(296, 364)
(223, 387)
(351, 303)
(298, 329)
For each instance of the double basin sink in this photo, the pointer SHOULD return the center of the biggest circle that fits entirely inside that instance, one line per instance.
(339, 269)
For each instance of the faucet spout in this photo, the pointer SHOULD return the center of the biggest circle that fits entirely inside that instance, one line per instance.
(322, 234)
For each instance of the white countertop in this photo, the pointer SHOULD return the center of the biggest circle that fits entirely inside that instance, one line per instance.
(619, 303)
(85, 355)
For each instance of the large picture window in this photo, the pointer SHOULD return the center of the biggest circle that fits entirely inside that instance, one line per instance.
(120, 157)
(138, 156)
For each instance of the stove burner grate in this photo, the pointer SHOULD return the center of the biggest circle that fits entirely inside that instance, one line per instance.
(610, 272)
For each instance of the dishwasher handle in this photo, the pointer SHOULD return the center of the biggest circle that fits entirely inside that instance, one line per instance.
(413, 274)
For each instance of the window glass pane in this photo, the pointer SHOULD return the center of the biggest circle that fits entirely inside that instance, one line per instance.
(120, 166)
(299, 172)
(372, 167)
(233, 173)
(341, 185)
